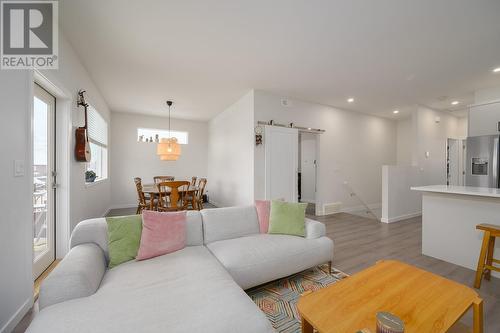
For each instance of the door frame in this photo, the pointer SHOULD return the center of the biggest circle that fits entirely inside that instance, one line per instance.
(65, 101)
(49, 257)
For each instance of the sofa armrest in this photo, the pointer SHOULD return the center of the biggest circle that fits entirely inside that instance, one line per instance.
(314, 229)
(79, 274)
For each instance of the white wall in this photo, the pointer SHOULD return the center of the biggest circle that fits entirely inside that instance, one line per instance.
(483, 119)
(432, 139)
(404, 141)
(130, 158)
(16, 93)
(85, 201)
(353, 148)
(16, 284)
(421, 157)
(399, 202)
(230, 154)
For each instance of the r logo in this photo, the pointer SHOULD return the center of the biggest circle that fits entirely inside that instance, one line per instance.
(27, 27)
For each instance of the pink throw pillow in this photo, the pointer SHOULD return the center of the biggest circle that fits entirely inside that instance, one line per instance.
(263, 210)
(162, 233)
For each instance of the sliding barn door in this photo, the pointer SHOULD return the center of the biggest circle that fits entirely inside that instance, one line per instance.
(281, 162)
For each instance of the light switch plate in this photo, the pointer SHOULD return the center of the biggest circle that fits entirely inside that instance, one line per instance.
(18, 168)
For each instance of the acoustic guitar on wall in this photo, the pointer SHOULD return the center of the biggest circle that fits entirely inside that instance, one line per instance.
(82, 146)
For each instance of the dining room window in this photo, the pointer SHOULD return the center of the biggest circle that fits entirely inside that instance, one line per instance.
(98, 139)
(154, 135)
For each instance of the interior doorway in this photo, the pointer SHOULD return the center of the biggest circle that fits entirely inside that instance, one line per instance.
(43, 168)
(455, 162)
(307, 167)
(290, 175)
(308, 170)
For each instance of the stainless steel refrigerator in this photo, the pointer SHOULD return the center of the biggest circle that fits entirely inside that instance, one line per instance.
(482, 169)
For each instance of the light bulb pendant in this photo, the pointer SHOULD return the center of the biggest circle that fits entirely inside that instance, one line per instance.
(168, 148)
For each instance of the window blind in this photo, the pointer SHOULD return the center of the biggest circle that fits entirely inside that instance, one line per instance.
(98, 127)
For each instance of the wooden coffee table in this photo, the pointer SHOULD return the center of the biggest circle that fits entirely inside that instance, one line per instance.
(424, 301)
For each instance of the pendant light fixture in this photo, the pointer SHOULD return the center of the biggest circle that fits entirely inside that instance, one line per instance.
(168, 148)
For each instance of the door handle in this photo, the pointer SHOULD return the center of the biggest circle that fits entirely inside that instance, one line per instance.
(55, 185)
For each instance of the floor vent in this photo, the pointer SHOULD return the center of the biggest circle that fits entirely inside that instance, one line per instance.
(332, 208)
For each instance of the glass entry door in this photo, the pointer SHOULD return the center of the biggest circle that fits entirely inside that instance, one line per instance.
(43, 180)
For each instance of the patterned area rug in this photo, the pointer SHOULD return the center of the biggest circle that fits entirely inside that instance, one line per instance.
(278, 299)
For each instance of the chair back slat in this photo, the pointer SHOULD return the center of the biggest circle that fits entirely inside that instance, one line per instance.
(176, 199)
(193, 181)
(159, 179)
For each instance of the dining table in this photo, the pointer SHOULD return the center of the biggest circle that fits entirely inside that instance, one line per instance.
(154, 192)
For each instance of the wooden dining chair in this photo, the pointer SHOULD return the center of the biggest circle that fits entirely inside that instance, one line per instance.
(191, 195)
(172, 196)
(199, 193)
(142, 201)
(160, 179)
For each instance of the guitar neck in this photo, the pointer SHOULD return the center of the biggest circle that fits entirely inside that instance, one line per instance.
(85, 106)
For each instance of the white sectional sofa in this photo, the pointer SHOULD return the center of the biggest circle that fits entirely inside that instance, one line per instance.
(196, 289)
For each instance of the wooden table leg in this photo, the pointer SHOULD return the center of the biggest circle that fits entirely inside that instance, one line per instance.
(307, 328)
(478, 315)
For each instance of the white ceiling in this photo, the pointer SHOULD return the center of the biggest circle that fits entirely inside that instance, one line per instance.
(205, 54)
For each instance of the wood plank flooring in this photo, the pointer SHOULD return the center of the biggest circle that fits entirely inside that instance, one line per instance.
(359, 242)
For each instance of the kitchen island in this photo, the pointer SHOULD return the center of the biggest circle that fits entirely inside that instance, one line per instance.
(449, 218)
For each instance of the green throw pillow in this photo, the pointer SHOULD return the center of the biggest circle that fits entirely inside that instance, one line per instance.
(124, 238)
(287, 218)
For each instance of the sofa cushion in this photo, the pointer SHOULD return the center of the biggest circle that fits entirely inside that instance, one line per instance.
(184, 292)
(257, 259)
(124, 238)
(230, 222)
(287, 218)
(162, 233)
(263, 208)
(96, 231)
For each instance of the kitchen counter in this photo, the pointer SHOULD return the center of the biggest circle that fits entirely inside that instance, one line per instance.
(449, 218)
(464, 190)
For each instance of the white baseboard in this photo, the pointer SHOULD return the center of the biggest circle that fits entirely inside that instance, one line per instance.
(17, 317)
(400, 217)
(216, 204)
(120, 206)
(361, 208)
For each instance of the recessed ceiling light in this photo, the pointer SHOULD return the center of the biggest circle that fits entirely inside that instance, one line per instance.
(395, 111)
(496, 70)
(350, 100)
(455, 103)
